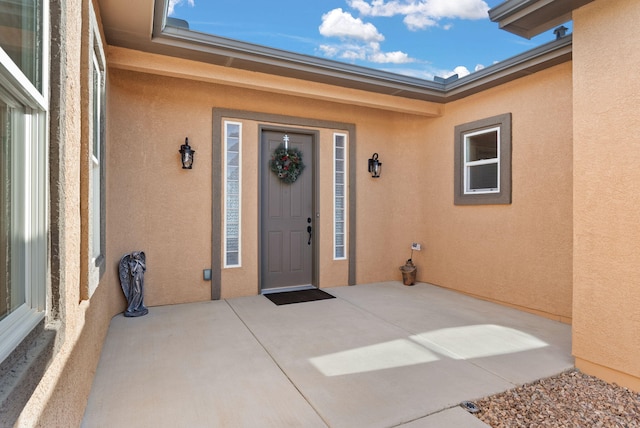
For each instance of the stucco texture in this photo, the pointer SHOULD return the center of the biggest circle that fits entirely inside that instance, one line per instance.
(606, 199)
(61, 395)
(156, 206)
(519, 254)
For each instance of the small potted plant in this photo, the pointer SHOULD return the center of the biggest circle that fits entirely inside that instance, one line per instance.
(409, 270)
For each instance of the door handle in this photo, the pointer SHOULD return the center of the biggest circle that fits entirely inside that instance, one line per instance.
(310, 231)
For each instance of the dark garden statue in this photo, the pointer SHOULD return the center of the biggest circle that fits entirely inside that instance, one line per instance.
(131, 268)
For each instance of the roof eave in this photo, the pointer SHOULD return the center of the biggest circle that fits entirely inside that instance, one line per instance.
(242, 55)
(528, 18)
(180, 42)
(262, 59)
(527, 63)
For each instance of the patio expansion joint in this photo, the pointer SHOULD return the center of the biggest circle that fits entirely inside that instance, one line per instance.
(277, 364)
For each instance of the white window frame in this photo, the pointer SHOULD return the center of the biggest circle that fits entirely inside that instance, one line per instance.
(238, 196)
(468, 165)
(94, 155)
(96, 214)
(344, 186)
(31, 195)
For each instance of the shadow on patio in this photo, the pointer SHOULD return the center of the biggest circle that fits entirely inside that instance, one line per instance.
(378, 355)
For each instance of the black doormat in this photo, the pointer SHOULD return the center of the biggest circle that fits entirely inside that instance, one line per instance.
(299, 296)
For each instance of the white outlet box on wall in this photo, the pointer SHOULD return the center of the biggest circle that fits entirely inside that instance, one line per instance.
(415, 246)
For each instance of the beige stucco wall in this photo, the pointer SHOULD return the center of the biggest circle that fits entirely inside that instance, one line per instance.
(61, 395)
(519, 254)
(606, 199)
(156, 206)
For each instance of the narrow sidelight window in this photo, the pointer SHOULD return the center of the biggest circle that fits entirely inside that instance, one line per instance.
(232, 192)
(340, 196)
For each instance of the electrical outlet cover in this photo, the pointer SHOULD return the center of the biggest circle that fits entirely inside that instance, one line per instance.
(415, 246)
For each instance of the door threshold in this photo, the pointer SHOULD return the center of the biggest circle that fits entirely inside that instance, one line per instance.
(291, 288)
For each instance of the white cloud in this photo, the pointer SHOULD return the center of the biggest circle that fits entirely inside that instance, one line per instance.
(377, 7)
(419, 21)
(371, 52)
(338, 23)
(396, 57)
(353, 55)
(174, 3)
(423, 13)
(360, 40)
(478, 67)
(461, 9)
(329, 51)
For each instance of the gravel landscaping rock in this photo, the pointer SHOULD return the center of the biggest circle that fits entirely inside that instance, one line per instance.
(571, 399)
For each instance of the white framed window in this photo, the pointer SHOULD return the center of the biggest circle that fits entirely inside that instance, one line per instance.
(96, 165)
(340, 187)
(23, 169)
(96, 157)
(483, 161)
(232, 194)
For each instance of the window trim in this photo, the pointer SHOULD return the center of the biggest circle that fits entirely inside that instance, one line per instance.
(225, 222)
(98, 60)
(345, 197)
(470, 164)
(94, 188)
(30, 197)
(503, 194)
(34, 191)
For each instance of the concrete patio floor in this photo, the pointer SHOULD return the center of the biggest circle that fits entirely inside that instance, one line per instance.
(379, 355)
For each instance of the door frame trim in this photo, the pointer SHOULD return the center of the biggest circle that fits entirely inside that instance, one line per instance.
(279, 122)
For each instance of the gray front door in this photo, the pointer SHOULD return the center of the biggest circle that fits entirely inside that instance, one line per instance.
(287, 220)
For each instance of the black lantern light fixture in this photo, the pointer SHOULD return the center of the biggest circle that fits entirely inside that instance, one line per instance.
(375, 166)
(186, 155)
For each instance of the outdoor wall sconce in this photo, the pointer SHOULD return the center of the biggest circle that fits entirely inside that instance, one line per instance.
(186, 154)
(375, 166)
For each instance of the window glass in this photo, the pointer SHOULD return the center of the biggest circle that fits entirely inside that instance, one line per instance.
(93, 141)
(482, 146)
(97, 131)
(482, 161)
(483, 177)
(482, 171)
(23, 173)
(339, 204)
(233, 142)
(12, 294)
(21, 36)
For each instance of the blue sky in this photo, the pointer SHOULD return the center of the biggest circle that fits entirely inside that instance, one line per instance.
(420, 38)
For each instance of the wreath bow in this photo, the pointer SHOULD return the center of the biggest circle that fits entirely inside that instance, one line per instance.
(287, 164)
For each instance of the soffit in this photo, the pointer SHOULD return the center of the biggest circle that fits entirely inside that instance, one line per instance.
(528, 18)
(140, 25)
